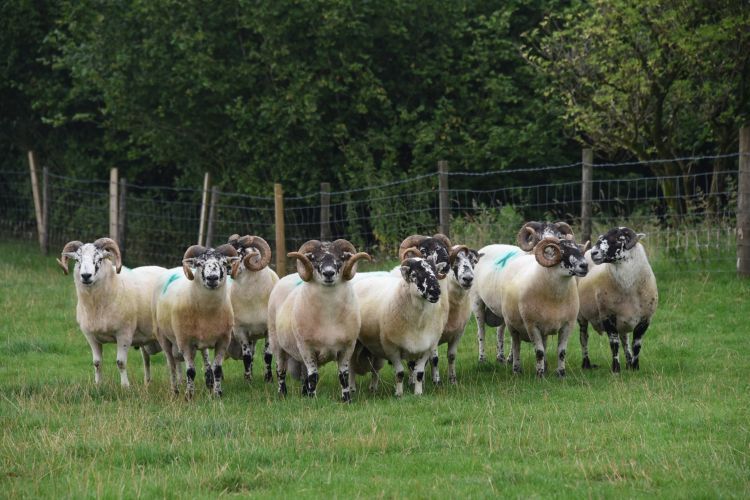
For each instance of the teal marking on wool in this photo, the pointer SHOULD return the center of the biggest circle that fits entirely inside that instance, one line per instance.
(501, 262)
(299, 282)
(172, 278)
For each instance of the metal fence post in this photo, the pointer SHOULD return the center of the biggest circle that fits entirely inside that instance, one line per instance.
(278, 198)
(587, 167)
(113, 203)
(743, 206)
(445, 210)
(212, 216)
(325, 211)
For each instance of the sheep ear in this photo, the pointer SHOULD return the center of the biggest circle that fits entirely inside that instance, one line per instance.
(640, 236)
(405, 270)
(442, 267)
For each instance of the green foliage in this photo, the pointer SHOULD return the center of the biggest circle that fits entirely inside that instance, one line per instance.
(487, 224)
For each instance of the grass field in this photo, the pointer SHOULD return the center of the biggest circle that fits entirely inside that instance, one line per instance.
(677, 428)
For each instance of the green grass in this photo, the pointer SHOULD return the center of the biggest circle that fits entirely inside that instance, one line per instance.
(677, 428)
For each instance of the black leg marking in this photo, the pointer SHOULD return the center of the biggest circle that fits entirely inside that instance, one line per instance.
(268, 357)
(411, 365)
(435, 360)
(218, 375)
(344, 381)
(420, 376)
(400, 376)
(311, 383)
(586, 365)
(638, 332)
(191, 374)
(539, 354)
(209, 376)
(247, 360)
(451, 358)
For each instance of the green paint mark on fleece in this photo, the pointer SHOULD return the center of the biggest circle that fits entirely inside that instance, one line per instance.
(174, 277)
(502, 261)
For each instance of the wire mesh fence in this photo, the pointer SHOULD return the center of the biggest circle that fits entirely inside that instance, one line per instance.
(686, 206)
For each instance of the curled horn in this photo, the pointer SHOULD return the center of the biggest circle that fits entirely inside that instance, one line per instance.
(228, 250)
(71, 246)
(455, 250)
(191, 253)
(263, 249)
(528, 236)
(586, 247)
(111, 246)
(565, 230)
(632, 238)
(444, 240)
(304, 266)
(344, 246)
(412, 241)
(234, 240)
(411, 253)
(542, 246)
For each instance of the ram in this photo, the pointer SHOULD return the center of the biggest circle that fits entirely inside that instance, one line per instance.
(539, 298)
(249, 293)
(114, 306)
(485, 301)
(401, 316)
(314, 315)
(196, 314)
(618, 296)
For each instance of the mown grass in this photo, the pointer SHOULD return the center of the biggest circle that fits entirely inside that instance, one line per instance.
(677, 428)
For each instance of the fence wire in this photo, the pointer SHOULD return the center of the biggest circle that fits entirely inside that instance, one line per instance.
(688, 212)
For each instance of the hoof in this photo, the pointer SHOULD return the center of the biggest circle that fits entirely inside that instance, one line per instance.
(501, 358)
(437, 382)
(615, 366)
(453, 380)
(248, 376)
(635, 366)
(560, 373)
(517, 370)
(218, 394)
(481, 359)
(346, 398)
(209, 379)
(268, 377)
(540, 373)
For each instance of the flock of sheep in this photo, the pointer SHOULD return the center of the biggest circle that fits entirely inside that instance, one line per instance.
(227, 298)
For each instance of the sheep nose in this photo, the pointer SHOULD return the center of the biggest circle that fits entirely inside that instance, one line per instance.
(468, 280)
(85, 276)
(328, 273)
(212, 279)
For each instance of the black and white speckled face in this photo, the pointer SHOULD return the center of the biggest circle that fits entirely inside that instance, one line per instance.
(327, 262)
(422, 274)
(463, 267)
(212, 268)
(573, 260)
(435, 250)
(90, 261)
(614, 246)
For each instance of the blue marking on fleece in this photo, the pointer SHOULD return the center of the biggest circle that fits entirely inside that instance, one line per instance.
(502, 261)
(174, 277)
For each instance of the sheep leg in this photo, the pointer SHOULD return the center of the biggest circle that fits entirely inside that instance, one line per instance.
(515, 347)
(501, 344)
(626, 350)
(538, 340)
(452, 351)
(96, 352)
(188, 353)
(610, 326)
(638, 332)
(584, 338)
(435, 370)
(281, 361)
(412, 374)
(398, 367)
(479, 310)
(172, 364)
(562, 346)
(208, 369)
(146, 366)
(420, 364)
(544, 344)
(352, 381)
(374, 377)
(219, 352)
(343, 362)
(268, 358)
(122, 360)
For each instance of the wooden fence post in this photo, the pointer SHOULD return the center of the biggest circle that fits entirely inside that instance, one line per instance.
(113, 203)
(212, 216)
(325, 211)
(204, 208)
(743, 206)
(45, 211)
(37, 199)
(445, 209)
(121, 215)
(587, 165)
(278, 197)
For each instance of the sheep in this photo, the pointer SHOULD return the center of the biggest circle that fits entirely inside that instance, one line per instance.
(113, 307)
(618, 295)
(192, 314)
(249, 294)
(401, 316)
(459, 283)
(539, 298)
(485, 301)
(313, 316)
